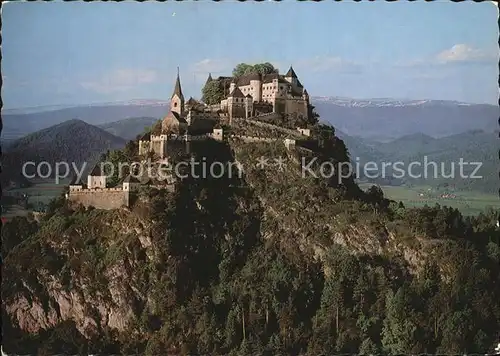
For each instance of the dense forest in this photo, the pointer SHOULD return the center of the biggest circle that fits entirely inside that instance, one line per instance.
(269, 263)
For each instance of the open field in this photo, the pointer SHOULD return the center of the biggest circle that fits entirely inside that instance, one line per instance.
(468, 202)
(41, 192)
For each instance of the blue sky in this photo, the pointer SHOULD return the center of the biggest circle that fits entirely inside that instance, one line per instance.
(79, 53)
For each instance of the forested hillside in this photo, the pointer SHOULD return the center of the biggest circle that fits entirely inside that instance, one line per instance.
(269, 263)
(73, 141)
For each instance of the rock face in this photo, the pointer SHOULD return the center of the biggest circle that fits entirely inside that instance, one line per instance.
(51, 298)
(172, 257)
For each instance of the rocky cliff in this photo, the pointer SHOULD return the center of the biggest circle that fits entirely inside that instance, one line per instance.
(266, 261)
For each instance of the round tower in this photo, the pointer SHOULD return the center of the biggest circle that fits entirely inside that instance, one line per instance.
(256, 83)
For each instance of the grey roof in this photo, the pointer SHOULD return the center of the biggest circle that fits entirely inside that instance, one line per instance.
(236, 93)
(248, 96)
(96, 171)
(191, 101)
(177, 116)
(145, 137)
(299, 84)
(268, 78)
(209, 79)
(305, 92)
(178, 89)
(291, 73)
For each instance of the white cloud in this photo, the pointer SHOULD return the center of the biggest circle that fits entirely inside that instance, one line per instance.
(464, 53)
(120, 80)
(457, 54)
(212, 65)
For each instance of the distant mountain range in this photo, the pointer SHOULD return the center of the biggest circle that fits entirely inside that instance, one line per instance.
(78, 141)
(383, 102)
(375, 119)
(19, 125)
(471, 146)
(71, 141)
(129, 128)
(385, 120)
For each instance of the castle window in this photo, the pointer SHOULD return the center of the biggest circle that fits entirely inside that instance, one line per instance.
(175, 104)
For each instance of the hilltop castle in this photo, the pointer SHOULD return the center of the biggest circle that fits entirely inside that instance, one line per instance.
(247, 96)
(255, 94)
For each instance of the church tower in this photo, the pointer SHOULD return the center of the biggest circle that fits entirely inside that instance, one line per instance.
(177, 99)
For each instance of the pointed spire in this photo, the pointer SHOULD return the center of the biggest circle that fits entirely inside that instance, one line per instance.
(291, 73)
(177, 89)
(209, 79)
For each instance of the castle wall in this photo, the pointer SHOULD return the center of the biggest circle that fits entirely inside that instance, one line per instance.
(144, 147)
(111, 198)
(245, 138)
(296, 105)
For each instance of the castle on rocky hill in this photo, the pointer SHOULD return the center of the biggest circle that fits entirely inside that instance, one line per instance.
(253, 94)
(248, 96)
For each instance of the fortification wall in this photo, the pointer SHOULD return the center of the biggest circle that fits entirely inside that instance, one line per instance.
(253, 138)
(296, 105)
(279, 128)
(113, 198)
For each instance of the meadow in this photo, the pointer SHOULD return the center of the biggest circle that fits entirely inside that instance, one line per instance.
(39, 194)
(468, 202)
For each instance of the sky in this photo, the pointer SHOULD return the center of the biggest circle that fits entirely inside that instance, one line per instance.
(77, 53)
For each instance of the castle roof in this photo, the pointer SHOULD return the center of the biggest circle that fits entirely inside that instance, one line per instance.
(236, 93)
(299, 84)
(268, 78)
(291, 73)
(145, 137)
(96, 171)
(248, 96)
(209, 79)
(305, 92)
(191, 101)
(254, 76)
(175, 115)
(177, 89)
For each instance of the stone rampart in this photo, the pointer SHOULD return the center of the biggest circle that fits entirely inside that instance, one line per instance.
(107, 199)
(279, 128)
(253, 138)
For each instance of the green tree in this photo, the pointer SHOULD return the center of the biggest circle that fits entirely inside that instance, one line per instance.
(212, 92)
(261, 68)
(398, 334)
(15, 232)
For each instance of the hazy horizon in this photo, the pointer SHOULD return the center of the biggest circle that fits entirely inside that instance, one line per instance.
(107, 52)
